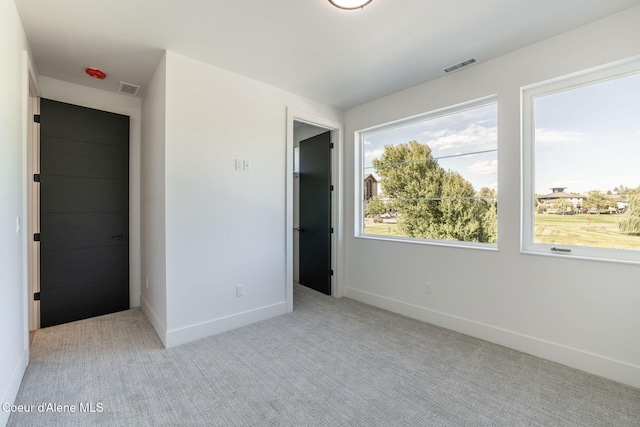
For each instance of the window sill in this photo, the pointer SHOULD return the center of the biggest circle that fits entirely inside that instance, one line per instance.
(630, 258)
(447, 243)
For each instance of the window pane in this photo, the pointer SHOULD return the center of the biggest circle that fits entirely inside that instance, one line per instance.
(434, 178)
(587, 165)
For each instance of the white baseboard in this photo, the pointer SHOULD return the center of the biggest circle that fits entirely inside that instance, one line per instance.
(613, 369)
(158, 325)
(202, 330)
(9, 395)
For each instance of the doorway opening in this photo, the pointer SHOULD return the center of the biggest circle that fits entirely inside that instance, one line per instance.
(313, 223)
(312, 207)
(80, 208)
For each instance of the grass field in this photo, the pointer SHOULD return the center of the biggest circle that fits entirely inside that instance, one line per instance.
(599, 231)
(380, 229)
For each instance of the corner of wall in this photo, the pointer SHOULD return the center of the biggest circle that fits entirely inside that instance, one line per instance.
(152, 210)
(158, 325)
(190, 333)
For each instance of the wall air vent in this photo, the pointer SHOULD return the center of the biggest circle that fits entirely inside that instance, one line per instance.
(128, 89)
(460, 65)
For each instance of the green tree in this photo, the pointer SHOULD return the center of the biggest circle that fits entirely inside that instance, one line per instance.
(540, 207)
(630, 223)
(490, 216)
(431, 202)
(599, 201)
(632, 191)
(374, 207)
(461, 219)
(621, 189)
(562, 206)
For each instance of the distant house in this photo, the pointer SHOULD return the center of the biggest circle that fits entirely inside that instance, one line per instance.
(621, 203)
(576, 200)
(370, 186)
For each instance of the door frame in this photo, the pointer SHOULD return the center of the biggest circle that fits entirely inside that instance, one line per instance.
(110, 102)
(337, 137)
(31, 190)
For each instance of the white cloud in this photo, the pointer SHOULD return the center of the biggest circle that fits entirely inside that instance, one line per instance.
(546, 135)
(484, 167)
(373, 154)
(473, 134)
(434, 134)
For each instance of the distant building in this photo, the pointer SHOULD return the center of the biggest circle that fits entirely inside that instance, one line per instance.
(621, 203)
(370, 186)
(548, 200)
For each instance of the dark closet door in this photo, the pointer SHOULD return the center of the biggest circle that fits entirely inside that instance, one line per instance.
(84, 212)
(315, 213)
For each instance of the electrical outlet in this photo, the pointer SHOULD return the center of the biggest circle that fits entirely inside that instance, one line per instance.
(427, 288)
(238, 164)
(239, 290)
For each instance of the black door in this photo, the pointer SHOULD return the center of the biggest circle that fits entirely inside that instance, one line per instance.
(84, 212)
(315, 213)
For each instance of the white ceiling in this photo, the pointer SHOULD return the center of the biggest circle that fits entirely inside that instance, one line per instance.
(342, 58)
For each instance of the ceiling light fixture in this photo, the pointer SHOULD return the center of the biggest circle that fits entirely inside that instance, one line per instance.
(95, 73)
(350, 4)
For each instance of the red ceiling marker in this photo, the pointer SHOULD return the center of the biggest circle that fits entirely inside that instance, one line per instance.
(95, 73)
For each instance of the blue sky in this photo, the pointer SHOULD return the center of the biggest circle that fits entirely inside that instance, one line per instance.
(460, 133)
(589, 138)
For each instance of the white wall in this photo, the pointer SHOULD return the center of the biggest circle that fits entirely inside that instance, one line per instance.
(587, 316)
(14, 352)
(153, 253)
(58, 90)
(224, 227)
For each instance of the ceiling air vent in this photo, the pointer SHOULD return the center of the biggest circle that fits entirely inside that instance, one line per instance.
(460, 65)
(128, 89)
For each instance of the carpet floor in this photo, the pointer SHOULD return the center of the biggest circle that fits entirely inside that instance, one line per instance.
(332, 362)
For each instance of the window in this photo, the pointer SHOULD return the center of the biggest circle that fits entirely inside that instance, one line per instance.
(432, 178)
(581, 148)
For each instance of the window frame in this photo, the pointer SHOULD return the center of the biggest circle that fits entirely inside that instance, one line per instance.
(359, 201)
(528, 94)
